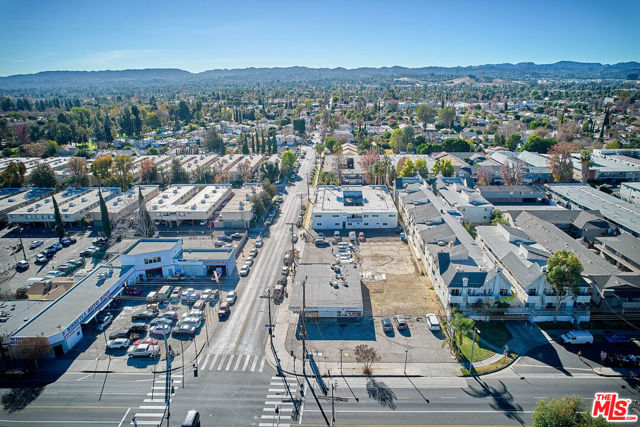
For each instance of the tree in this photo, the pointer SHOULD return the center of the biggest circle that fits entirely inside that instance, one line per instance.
(560, 163)
(605, 123)
(446, 116)
(425, 114)
(512, 172)
(563, 273)
(299, 126)
(330, 142)
(270, 171)
(396, 142)
(13, 175)
(179, 175)
(213, 142)
(497, 217)
(485, 176)
(258, 207)
(408, 168)
(101, 167)
(104, 216)
(33, 348)
(443, 166)
(58, 219)
(43, 176)
(513, 141)
(420, 166)
(245, 145)
(566, 411)
(148, 171)
(462, 327)
(498, 140)
(367, 160)
(585, 163)
(538, 144)
(287, 162)
(319, 148)
(122, 165)
(143, 223)
(366, 355)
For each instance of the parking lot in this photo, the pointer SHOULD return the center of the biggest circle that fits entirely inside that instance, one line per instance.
(391, 284)
(9, 238)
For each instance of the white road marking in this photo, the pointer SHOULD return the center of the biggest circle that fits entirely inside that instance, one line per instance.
(147, 414)
(124, 417)
(213, 362)
(253, 365)
(204, 362)
(235, 368)
(261, 365)
(147, 407)
(221, 362)
(230, 362)
(246, 363)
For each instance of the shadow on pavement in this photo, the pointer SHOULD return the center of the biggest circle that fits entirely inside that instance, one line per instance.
(330, 330)
(502, 399)
(18, 398)
(380, 392)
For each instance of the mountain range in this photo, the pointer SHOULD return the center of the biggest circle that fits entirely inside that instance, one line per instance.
(163, 76)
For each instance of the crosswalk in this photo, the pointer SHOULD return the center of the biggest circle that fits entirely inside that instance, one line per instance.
(232, 362)
(152, 410)
(278, 407)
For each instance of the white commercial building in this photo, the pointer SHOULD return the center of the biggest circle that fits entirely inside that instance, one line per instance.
(188, 202)
(238, 212)
(354, 208)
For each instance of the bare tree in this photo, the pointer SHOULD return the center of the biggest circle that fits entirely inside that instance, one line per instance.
(366, 355)
(512, 172)
(485, 176)
(78, 166)
(33, 348)
(561, 163)
(511, 127)
(568, 132)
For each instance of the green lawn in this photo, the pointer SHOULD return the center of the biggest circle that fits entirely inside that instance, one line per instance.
(494, 332)
(479, 353)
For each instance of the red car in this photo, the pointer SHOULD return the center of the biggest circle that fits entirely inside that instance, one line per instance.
(151, 341)
(132, 291)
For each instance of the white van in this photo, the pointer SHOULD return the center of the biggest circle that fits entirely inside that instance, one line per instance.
(432, 321)
(577, 337)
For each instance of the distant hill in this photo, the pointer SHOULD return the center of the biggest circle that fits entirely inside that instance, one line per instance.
(160, 77)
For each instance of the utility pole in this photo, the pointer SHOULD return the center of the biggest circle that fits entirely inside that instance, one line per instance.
(475, 331)
(303, 329)
(270, 325)
(21, 245)
(333, 399)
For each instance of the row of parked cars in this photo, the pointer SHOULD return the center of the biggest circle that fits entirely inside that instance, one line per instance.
(401, 323)
(248, 261)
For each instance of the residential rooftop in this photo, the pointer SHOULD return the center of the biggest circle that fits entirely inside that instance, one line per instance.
(354, 199)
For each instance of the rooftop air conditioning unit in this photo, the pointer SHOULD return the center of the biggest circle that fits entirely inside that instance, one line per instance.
(11, 200)
(193, 207)
(202, 201)
(240, 208)
(38, 205)
(165, 196)
(206, 196)
(175, 191)
(71, 205)
(29, 209)
(84, 199)
(160, 202)
(155, 207)
(441, 243)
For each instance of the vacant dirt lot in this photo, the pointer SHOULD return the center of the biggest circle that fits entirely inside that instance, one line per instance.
(393, 279)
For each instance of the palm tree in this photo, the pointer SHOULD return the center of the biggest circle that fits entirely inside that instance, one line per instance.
(585, 162)
(387, 167)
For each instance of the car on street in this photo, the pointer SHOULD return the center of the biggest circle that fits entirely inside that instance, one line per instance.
(104, 322)
(294, 238)
(161, 329)
(144, 315)
(41, 259)
(35, 244)
(118, 343)
(617, 339)
(386, 324)
(259, 242)
(401, 322)
(232, 297)
(144, 350)
(248, 261)
(224, 310)
(22, 265)
(253, 252)
(184, 329)
(244, 271)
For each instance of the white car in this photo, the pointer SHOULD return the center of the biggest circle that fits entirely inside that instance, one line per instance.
(432, 321)
(144, 350)
(244, 271)
(118, 343)
(194, 321)
(248, 261)
(35, 244)
(186, 293)
(232, 296)
(55, 273)
(259, 242)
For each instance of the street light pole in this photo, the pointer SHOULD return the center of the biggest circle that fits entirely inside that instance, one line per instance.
(21, 245)
(341, 362)
(475, 331)
(406, 354)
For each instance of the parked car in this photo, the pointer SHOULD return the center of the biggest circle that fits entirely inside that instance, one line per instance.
(172, 315)
(336, 236)
(186, 293)
(253, 252)
(104, 322)
(54, 273)
(386, 324)
(195, 321)
(16, 373)
(132, 290)
(65, 241)
(63, 267)
(401, 323)
(89, 251)
(118, 343)
(144, 315)
(50, 252)
(214, 296)
(75, 262)
(35, 244)
(57, 246)
(259, 242)
(432, 321)
(122, 333)
(248, 261)
(144, 350)
(148, 340)
(577, 337)
(224, 309)
(232, 297)
(138, 327)
(41, 259)
(193, 297)
(361, 237)
(161, 321)
(160, 329)
(22, 265)
(244, 271)
(617, 339)
(184, 329)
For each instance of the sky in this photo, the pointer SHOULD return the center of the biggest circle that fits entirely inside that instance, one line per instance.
(202, 35)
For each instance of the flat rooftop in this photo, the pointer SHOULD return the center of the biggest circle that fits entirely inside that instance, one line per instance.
(73, 303)
(123, 201)
(623, 213)
(199, 254)
(70, 201)
(374, 199)
(15, 314)
(21, 198)
(241, 195)
(318, 290)
(144, 246)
